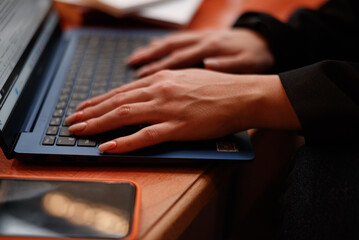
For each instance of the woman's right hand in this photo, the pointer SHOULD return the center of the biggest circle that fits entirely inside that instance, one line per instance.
(185, 105)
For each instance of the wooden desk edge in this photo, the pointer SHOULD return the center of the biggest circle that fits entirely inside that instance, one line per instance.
(176, 219)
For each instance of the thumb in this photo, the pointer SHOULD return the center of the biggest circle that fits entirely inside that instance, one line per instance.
(233, 64)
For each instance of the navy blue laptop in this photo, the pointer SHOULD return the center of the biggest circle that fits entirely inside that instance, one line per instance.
(46, 73)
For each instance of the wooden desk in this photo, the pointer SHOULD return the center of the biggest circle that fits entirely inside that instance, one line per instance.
(173, 195)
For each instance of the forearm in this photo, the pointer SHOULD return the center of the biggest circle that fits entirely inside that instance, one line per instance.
(324, 96)
(310, 35)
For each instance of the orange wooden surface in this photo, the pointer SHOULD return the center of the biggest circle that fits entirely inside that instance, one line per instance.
(171, 195)
(163, 187)
(222, 13)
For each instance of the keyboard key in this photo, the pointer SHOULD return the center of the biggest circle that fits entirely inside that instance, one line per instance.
(84, 81)
(61, 105)
(49, 140)
(79, 96)
(85, 142)
(55, 121)
(66, 141)
(58, 113)
(66, 91)
(64, 97)
(115, 84)
(74, 103)
(81, 88)
(64, 132)
(97, 66)
(70, 111)
(52, 130)
(97, 92)
(97, 85)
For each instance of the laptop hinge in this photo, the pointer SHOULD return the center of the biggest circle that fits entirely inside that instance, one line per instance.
(7, 149)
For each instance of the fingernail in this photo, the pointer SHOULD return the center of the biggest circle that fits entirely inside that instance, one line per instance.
(107, 146)
(135, 56)
(83, 105)
(76, 117)
(132, 59)
(77, 127)
(211, 63)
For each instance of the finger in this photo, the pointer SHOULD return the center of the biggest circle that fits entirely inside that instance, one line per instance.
(179, 59)
(161, 47)
(136, 95)
(129, 114)
(233, 64)
(140, 83)
(148, 136)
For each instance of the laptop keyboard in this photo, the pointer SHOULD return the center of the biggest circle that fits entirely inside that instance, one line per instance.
(97, 66)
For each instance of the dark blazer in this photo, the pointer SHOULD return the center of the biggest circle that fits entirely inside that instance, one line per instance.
(317, 58)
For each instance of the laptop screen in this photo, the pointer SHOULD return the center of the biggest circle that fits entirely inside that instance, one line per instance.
(19, 23)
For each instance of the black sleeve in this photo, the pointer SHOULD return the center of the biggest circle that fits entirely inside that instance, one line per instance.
(325, 97)
(323, 46)
(309, 36)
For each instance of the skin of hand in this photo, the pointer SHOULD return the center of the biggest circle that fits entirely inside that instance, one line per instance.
(184, 105)
(237, 50)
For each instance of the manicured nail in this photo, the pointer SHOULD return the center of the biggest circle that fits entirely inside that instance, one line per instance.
(83, 105)
(107, 146)
(78, 127)
(76, 117)
(211, 63)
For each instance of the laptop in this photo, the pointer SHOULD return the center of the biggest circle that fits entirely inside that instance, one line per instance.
(45, 73)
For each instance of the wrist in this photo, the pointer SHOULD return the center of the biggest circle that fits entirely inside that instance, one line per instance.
(269, 106)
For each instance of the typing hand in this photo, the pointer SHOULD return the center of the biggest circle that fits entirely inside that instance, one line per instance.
(233, 51)
(184, 105)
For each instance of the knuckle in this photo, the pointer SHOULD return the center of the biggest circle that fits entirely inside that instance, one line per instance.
(159, 44)
(151, 136)
(93, 124)
(156, 42)
(176, 57)
(123, 110)
(115, 100)
(165, 87)
(213, 43)
(116, 91)
(88, 112)
(126, 143)
(165, 83)
(144, 93)
(163, 74)
(169, 41)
